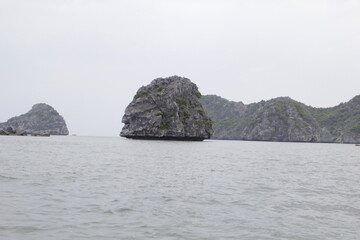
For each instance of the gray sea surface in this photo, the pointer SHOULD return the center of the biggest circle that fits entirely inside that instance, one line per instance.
(114, 188)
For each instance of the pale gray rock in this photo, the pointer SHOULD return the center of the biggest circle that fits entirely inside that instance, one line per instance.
(41, 118)
(282, 119)
(169, 109)
(348, 138)
(326, 136)
(9, 131)
(20, 132)
(40, 134)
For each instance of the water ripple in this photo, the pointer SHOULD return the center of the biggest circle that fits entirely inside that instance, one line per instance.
(109, 188)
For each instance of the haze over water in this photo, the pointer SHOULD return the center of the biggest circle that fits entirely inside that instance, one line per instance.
(112, 188)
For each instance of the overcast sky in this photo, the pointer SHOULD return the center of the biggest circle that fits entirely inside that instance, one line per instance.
(87, 58)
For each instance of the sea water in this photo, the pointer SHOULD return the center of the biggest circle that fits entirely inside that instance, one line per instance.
(114, 188)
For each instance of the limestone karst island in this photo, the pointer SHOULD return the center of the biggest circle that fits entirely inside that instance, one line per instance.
(284, 120)
(167, 109)
(41, 120)
(172, 108)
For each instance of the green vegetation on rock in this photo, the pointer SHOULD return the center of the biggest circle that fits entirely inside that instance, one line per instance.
(164, 125)
(283, 119)
(183, 104)
(344, 117)
(159, 89)
(197, 93)
(201, 111)
(141, 93)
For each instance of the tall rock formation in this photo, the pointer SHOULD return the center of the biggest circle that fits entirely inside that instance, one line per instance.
(42, 118)
(167, 108)
(283, 119)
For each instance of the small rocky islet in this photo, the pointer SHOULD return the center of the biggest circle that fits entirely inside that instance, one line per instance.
(41, 120)
(167, 109)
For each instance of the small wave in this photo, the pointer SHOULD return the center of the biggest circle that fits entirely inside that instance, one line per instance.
(7, 177)
(240, 203)
(331, 208)
(120, 210)
(21, 229)
(124, 210)
(167, 199)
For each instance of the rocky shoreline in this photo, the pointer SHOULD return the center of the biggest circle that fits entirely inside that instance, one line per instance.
(9, 131)
(191, 139)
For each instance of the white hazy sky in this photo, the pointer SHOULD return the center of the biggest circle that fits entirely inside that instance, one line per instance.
(87, 58)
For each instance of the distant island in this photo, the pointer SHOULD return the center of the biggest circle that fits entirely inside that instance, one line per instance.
(41, 120)
(167, 109)
(173, 109)
(283, 119)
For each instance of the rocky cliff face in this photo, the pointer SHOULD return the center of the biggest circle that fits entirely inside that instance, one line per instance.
(283, 119)
(167, 108)
(42, 118)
